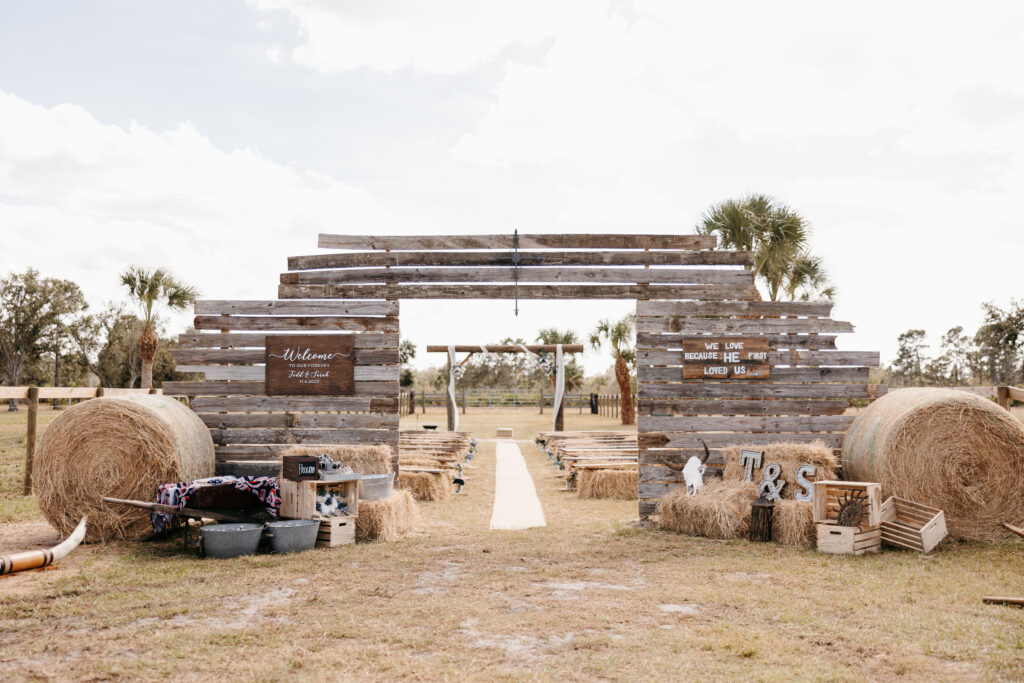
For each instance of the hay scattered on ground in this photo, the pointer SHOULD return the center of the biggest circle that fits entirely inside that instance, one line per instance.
(721, 509)
(388, 519)
(618, 484)
(948, 449)
(426, 486)
(121, 448)
(790, 456)
(362, 459)
(793, 524)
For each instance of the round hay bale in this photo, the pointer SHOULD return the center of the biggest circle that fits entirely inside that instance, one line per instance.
(945, 448)
(121, 447)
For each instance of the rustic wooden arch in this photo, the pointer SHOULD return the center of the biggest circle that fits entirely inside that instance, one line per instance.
(503, 348)
(684, 290)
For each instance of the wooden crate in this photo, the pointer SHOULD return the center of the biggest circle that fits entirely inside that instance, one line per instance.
(848, 540)
(827, 496)
(910, 525)
(335, 531)
(504, 432)
(298, 498)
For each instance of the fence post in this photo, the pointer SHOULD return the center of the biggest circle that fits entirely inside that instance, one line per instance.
(1003, 397)
(30, 437)
(514, 397)
(463, 400)
(540, 400)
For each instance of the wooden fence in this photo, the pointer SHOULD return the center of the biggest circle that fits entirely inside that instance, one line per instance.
(35, 394)
(608, 404)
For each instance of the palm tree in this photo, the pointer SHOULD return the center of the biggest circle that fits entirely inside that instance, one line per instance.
(149, 289)
(778, 236)
(619, 336)
(552, 335)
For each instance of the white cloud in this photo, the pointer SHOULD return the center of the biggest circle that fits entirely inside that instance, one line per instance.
(82, 199)
(441, 37)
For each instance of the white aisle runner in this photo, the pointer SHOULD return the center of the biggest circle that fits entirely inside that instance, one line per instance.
(516, 505)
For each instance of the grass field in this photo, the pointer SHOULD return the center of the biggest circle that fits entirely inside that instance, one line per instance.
(591, 596)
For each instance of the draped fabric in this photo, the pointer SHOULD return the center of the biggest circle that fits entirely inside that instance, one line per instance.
(559, 381)
(451, 385)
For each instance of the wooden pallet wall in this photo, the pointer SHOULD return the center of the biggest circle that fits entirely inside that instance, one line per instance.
(249, 428)
(804, 399)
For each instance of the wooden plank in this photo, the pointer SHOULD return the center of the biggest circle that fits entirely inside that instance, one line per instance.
(245, 388)
(193, 340)
(667, 407)
(819, 309)
(740, 325)
(720, 440)
(300, 436)
(362, 404)
(505, 348)
(646, 373)
(502, 275)
(16, 393)
(292, 323)
(647, 340)
(258, 355)
(796, 357)
(525, 241)
(296, 308)
(595, 292)
(302, 420)
(67, 392)
(810, 423)
(748, 390)
(526, 259)
(1016, 394)
(363, 373)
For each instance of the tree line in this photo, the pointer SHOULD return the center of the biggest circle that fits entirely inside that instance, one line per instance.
(50, 336)
(993, 355)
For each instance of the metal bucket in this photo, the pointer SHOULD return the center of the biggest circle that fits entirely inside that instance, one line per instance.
(224, 541)
(376, 486)
(293, 535)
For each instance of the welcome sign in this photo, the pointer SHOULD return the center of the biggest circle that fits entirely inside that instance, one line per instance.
(725, 358)
(310, 365)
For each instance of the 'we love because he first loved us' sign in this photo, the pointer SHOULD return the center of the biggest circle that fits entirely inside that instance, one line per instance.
(310, 365)
(725, 358)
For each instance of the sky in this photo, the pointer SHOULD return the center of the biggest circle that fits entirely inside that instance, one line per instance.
(218, 137)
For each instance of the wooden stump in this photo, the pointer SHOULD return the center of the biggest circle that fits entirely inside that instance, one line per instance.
(762, 514)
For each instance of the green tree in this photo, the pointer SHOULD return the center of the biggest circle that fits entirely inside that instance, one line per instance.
(34, 311)
(573, 371)
(149, 290)
(406, 352)
(910, 356)
(956, 348)
(779, 238)
(619, 337)
(999, 340)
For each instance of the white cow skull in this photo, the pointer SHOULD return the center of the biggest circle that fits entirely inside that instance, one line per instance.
(693, 473)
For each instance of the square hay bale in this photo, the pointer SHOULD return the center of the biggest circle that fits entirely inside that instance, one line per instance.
(388, 519)
(790, 457)
(616, 484)
(793, 524)
(719, 510)
(426, 486)
(362, 459)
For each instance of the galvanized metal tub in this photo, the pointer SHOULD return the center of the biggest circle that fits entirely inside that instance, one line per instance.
(224, 541)
(376, 486)
(293, 535)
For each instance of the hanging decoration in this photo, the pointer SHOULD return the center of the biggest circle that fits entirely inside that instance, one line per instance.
(454, 369)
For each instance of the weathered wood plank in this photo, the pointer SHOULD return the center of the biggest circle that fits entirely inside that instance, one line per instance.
(363, 373)
(300, 436)
(228, 388)
(741, 325)
(200, 340)
(646, 508)
(303, 420)
(258, 355)
(820, 309)
(297, 308)
(16, 393)
(740, 407)
(505, 348)
(525, 241)
(504, 275)
(796, 357)
(293, 323)
(775, 341)
(594, 292)
(692, 440)
(734, 423)
(362, 404)
(527, 259)
(749, 390)
(646, 373)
